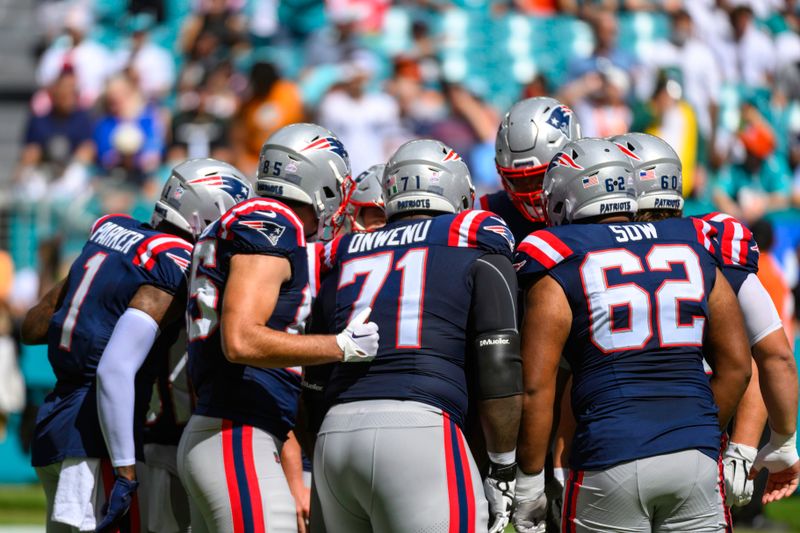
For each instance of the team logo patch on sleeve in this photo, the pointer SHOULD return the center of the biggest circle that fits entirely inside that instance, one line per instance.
(271, 231)
(503, 231)
(182, 262)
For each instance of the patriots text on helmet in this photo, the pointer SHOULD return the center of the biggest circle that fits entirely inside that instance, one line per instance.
(270, 189)
(421, 203)
(615, 207)
(363, 242)
(662, 203)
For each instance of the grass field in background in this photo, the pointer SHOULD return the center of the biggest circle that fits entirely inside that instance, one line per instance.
(24, 504)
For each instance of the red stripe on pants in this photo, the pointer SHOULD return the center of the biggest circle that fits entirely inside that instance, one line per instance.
(452, 488)
(252, 479)
(468, 482)
(230, 476)
(576, 480)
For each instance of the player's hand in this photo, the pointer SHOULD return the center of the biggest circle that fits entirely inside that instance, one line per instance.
(780, 457)
(303, 504)
(118, 504)
(737, 461)
(359, 340)
(530, 503)
(499, 489)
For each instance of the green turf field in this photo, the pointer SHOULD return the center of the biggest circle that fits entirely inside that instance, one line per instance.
(24, 504)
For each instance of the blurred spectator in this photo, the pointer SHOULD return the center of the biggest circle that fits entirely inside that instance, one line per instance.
(217, 19)
(750, 58)
(129, 137)
(675, 121)
(420, 106)
(598, 98)
(155, 8)
(757, 180)
(606, 53)
(336, 43)
(700, 75)
(90, 61)
(470, 129)
(196, 132)
(273, 102)
(222, 98)
(538, 86)
(58, 146)
(149, 64)
(205, 55)
(367, 122)
(771, 276)
(369, 14)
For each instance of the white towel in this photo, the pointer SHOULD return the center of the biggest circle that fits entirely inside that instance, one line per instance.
(76, 493)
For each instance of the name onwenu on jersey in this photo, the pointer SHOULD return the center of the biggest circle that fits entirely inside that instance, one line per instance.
(116, 237)
(401, 236)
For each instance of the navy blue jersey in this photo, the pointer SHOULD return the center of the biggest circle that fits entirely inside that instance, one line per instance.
(500, 203)
(264, 398)
(738, 248)
(416, 275)
(639, 299)
(121, 255)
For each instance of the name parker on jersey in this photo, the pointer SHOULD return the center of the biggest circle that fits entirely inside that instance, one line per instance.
(363, 242)
(116, 237)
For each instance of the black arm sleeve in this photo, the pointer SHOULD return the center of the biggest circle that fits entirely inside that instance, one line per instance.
(495, 337)
(316, 377)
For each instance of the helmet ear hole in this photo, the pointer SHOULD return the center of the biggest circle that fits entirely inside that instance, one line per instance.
(558, 208)
(328, 192)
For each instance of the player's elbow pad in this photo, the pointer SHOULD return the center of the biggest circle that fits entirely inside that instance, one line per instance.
(499, 364)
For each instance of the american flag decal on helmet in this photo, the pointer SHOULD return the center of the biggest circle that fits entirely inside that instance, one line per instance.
(451, 156)
(331, 144)
(565, 160)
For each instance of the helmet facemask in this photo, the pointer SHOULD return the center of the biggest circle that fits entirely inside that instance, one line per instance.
(524, 186)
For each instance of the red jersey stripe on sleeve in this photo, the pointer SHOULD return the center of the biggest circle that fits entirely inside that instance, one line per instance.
(150, 248)
(545, 248)
(705, 233)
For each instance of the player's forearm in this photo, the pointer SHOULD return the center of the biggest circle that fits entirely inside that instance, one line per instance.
(500, 418)
(265, 347)
(751, 415)
(37, 319)
(534, 432)
(292, 463)
(778, 381)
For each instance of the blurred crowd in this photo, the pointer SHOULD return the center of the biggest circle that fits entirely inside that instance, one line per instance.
(129, 88)
(122, 101)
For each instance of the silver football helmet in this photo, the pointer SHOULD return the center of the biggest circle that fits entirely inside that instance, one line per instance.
(531, 133)
(589, 177)
(365, 190)
(426, 175)
(657, 170)
(308, 164)
(198, 192)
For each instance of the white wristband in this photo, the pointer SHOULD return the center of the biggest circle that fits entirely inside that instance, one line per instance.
(503, 458)
(529, 487)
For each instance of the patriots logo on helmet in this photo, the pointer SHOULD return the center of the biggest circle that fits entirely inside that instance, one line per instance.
(624, 149)
(331, 144)
(272, 231)
(451, 156)
(560, 118)
(503, 231)
(234, 187)
(563, 159)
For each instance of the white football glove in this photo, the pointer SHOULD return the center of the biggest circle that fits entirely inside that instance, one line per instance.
(778, 454)
(530, 503)
(499, 489)
(359, 340)
(737, 460)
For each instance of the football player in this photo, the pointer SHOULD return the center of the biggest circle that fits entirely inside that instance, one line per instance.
(121, 302)
(363, 200)
(531, 133)
(633, 307)
(250, 293)
(658, 177)
(438, 277)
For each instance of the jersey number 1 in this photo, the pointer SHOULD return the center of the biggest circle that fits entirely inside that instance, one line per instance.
(91, 267)
(376, 268)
